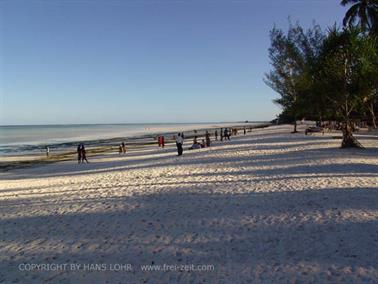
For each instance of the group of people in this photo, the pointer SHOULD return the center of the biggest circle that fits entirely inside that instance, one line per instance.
(204, 143)
(179, 138)
(196, 144)
(224, 134)
(81, 154)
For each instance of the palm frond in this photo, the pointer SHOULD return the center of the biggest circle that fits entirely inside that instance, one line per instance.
(348, 2)
(351, 15)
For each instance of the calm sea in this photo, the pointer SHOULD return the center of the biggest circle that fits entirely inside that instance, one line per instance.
(33, 138)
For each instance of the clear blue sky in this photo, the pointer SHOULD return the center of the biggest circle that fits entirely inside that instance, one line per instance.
(143, 61)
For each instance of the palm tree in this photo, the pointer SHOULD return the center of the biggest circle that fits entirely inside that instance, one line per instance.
(364, 12)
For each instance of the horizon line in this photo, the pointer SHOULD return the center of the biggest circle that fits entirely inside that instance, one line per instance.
(123, 123)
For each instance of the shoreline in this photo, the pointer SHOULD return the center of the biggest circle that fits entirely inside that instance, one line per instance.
(102, 146)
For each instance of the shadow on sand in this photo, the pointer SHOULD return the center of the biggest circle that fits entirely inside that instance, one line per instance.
(237, 233)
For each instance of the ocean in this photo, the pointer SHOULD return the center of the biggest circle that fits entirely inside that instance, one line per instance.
(21, 139)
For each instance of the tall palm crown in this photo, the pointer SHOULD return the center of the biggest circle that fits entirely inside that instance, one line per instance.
(364, 12)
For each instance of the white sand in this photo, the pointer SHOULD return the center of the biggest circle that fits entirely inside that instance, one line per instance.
(269, 207)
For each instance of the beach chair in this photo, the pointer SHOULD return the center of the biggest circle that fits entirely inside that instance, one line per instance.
(314, 129)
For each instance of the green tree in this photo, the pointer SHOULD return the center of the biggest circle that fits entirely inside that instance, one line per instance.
(292, 56)
(364, 14)
(344, 70)
(369, 84)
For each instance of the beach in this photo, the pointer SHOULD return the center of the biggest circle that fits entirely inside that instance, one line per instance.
(266, 207)
(25, 145)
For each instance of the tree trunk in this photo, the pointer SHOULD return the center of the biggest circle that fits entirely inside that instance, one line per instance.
(348, 139)
(371, 109)
(373, 120)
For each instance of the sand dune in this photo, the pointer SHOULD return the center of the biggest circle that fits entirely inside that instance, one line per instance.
(268, 207)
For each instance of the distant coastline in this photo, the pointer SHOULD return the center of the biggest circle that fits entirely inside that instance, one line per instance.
(31, 138)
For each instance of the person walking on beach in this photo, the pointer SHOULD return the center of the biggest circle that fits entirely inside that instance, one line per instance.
(47, 151)
(245, 131)
(123, 146)
(221, 134)
(207, 137)
(226, 134)
(159, 140)
(83, 154)
(79, 154)
(179, 142)
(216, 135)
(162, 141)
(120, 149)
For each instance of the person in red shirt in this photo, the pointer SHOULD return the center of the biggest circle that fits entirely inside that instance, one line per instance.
(162, 141)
